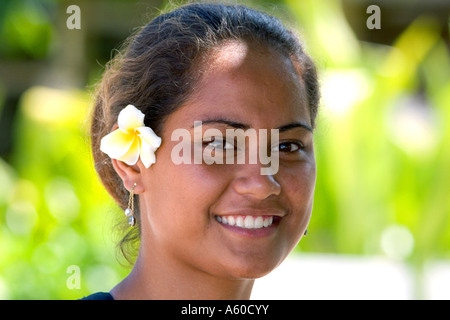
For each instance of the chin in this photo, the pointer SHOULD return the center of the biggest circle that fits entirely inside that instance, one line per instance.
(252, 268)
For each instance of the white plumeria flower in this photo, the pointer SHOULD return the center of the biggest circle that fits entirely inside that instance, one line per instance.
(132, 140)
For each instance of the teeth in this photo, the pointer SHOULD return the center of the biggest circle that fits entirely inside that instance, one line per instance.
(247, 222)
(259, 222)
(240, 222)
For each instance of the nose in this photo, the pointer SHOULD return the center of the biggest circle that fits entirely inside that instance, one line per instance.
(250, 182)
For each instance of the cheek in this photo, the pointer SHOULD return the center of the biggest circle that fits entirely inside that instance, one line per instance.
(177, 210)
(179, 219)
(180, 195)
(299, 182)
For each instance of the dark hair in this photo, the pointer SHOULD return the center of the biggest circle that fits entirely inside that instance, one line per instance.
(158, 69)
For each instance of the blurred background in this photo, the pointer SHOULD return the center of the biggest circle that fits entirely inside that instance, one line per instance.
(380, 226)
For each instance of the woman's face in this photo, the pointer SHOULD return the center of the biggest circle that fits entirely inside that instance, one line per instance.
(184, 206)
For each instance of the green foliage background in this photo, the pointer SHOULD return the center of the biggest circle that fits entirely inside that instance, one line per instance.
(382, 148)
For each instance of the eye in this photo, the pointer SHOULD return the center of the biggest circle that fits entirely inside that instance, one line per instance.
(218, 143)
(290, 147)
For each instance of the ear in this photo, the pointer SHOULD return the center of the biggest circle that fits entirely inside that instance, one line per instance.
(129, 175)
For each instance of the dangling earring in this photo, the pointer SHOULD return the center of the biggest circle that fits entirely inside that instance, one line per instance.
(129, 212)
(306, 232)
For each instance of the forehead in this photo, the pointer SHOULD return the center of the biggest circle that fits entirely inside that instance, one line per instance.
(240, 81)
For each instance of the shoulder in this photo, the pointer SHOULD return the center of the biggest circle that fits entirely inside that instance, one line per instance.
(99, 296)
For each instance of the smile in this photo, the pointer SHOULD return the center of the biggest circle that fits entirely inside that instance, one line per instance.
(246, 222)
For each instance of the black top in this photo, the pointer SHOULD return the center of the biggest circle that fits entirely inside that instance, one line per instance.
(99, 296)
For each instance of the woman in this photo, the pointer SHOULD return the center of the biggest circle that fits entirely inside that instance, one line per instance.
(207, 229)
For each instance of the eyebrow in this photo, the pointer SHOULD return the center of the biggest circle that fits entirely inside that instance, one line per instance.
(295, 125)
(239, 125)
(230, 123)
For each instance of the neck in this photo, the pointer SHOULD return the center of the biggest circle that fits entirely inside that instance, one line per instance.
(157, 277)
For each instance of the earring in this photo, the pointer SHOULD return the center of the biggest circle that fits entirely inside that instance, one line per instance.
(306, 232)
(129, 212)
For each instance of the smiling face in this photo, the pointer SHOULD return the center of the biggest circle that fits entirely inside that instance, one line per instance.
(228, 220)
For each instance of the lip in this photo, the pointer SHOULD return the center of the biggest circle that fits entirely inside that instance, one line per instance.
(254, 212)
(253, 233)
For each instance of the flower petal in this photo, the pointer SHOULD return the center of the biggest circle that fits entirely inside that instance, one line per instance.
(149, 136)
(147, 153)
(132, 156)
(116, 143)
(130, 118)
